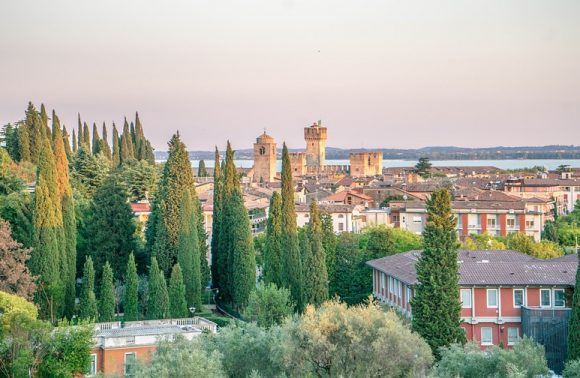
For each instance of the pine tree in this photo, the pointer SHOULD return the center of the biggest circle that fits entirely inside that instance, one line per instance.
(273, 264)
(574, 324)
(131, 298)
(215, 227)
(291, 251)
(96, 147)
(74, 141)
(116, 148)
(111, 228)
(86, 136)
(201, 170)
(47, 230)
(68, 236)
(66, 142)
(177, 305)
(436, 305)
(107, 297)
(315, 274)
(104, 144)
(188, 252)
(158, 300)
(88, 301)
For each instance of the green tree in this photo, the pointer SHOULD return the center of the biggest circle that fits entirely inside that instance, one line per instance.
(74, 141)
(110, 232)
(79, 131)
(177, 305)
(216, 259)
(88, 171)
(10, 139)
(96, 146)
(158, 298)
(116, 147)
(16, 278)
(140, 178)
(269, 305)
(66, 142)
(293, 267)
(436, 305)
(36, 130)
(315, 275)
(379, 241)
(423, 167)
(574, 325)
(188, 252)
(131, 297)
(127, 150)
(201, 170)
(572, 369)
(24, 143)
(352, 279)
(329, 242)
(273, 263)
(88, 300)
(104, 147)
(86, 137)
(550, 232)
(107, 297)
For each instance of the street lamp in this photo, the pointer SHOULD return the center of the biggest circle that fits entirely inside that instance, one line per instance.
(192, 310)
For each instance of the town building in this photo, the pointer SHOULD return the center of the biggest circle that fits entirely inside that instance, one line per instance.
(118, 345)
(315, 137)
(349, 197)
(345, 218)
(366, 164)
(264, 159)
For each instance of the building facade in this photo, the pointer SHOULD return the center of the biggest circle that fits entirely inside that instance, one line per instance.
(366, 164)
(264, 158)
(315, 137)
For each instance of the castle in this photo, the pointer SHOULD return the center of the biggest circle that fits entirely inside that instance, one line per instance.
(313, 160)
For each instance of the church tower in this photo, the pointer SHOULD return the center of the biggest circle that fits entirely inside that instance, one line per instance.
(264, 158)
(315, 137)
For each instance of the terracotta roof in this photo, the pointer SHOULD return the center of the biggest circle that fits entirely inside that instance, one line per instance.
(335, 208)
(141, 207)
(488, 268)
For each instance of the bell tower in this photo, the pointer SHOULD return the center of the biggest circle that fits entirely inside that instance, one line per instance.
(315, 137)
(264, 158)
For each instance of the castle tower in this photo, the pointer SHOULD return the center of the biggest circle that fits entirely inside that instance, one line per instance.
(315, 137)
(264, 158)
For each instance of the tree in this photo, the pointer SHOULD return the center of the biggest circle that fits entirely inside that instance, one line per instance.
(158, 299)
(131, 298)
(293, 267)
(88, 171)
(24, 143)
(572, 369)
(574, 325)
(273, 263)
(9, 137)
(107, 297)
(337, 340)
(15, 278)
(140, 178)
(127, 150)
(269, 305)
(110, 232)
(315, 275)
(423, 167)
(79, 131)
(216, 259)
(74, 141)
(66, 142)
(177, 305)
(104, 144)
(86, 137)
(379, 241)
(35, 130)
(436, 305)
(550, 232)
(96, 147)
(352, 279)
(188, 252)
(329, 241)
(88, 301)
(201, 171)
(116, 148)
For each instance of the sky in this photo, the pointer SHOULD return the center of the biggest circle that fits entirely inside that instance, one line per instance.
(391, 74)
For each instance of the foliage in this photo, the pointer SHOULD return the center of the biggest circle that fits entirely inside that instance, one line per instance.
(329, 241)
(88, 171)
(388, 199)
(158, 298)
(131, 295)
(15, 278)
(140, 178)
(423, 167)
(188, 252)
(12, 306)
(272, 258)
(16, 208)
(572, 369)
(336, 340)
(177, 305)
(545, 249)
(436, 306)
(107, 297)
(525, 359)
(88, 301)
(201, 170)
(269, 305)
(352, 278)
(181, 358)
(574, 325)
(315, 275)
(482, 242)
(217, 259)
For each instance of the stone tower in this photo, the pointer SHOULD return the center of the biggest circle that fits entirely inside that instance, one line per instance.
(264, 158)
(315, 137)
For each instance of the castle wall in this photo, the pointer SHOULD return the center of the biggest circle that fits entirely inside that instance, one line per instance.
(366, 164)
(298, 163)
(315, 137)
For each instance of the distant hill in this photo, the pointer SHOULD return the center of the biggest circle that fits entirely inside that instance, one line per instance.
(433, 153)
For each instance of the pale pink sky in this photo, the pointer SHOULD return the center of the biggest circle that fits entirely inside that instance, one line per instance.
(401, 74)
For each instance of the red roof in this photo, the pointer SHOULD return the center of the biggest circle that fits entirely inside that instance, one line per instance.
(141, 207)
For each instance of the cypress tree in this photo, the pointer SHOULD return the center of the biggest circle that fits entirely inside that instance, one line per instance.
(574, 325)
(177, 305)
(272, 258)
(35, 129)
(188, 252)
(88, 301)
(201, 170)
(329, 243)
(66, 141)
(107, 297)
(149, 154)
(43, 116)
(86, 136)
(215, 227)
(158, 300)
(47, 227)
(291, 251)
(436, 305)
(68, 234)
(104, 144)
(74, 141)
(132, 127)
(24, 143)
(96, 147)
(315, 274)
(116, 147)
(80, 137)
(111, 228)
(127, 150)
(202, 240)
(139, 141)
(131, 298)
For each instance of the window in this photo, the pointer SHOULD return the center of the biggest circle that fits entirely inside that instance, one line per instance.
(466, 298)
(390, 284)
(129, 363)
(486, 336)
(559, 298)
(513, 335)
(529, 224)
(491, 222)
(518, 297)
(341, 215)
(409, 294)
(545, 298)
(492, 298)
(383, 280)
(93, 367)
(341, 227)
(511, 223)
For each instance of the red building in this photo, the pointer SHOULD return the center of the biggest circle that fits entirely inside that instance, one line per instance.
(494, 288)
